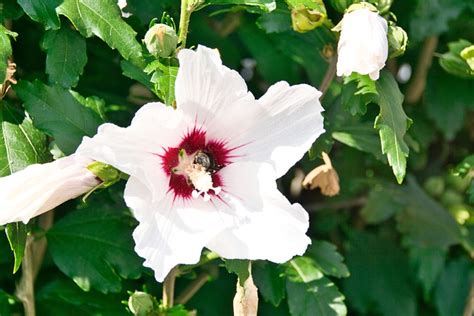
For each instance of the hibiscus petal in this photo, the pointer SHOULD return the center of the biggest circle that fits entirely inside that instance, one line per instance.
(283, 130)
(203, 80)
(266, 224)
(136, 149)
(171, 232)
(41, 187)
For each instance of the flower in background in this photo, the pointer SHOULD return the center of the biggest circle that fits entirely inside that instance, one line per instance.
(203, 175)
(41, 187)
(122, 4)
(363, 45)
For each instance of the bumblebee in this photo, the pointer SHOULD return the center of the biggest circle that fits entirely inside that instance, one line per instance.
(206, 161)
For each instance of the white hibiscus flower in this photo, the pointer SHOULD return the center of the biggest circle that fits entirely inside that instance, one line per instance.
(41, 187)
(363, 46)
(204, 175)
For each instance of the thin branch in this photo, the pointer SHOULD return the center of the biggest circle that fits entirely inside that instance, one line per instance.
(184, 17)
(168, 288)
(45, 222)
(25, 289)
(469, 308)
(33, 258)
(417, 84)
(193, 288)
(328, 76)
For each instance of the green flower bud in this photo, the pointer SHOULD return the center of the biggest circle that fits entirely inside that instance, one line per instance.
(468, 55)
(451, 197)
(307, 17)
(141, 303)
(384, 5)
(397, 41)
(362, 5)
(161, 40)
(108, 174)
(461, 213)
(434, 186)
(305, 20)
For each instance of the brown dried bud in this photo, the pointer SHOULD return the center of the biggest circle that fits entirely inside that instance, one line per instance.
(324, 177)
(9, 79)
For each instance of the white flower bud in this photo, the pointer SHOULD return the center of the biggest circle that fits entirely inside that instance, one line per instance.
(41, 187)
(161, 40)
(363, 45)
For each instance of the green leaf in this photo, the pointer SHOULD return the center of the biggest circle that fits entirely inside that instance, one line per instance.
(381, 280)
(6, 301)
(358, 91)
(327, 259)
(362, 137)
(265, 5)
(392, 123)
(10, 10)
(103, 19)
(94, 103)
(424, 222)
(275, 22)
(57, 113)
(269, 281)
(63, 297)
(136, 73)
(453, 62)
(5, 51)
(309, 292)
(432, 17)
(42, 11)
(302, 269)
(164, 77)
(94, 247)
(240, 267)
(447, 98)
(146, 10)
(20, 143)
(429, 263)
(382, 203)
(16, 234)
(318, 297)
(271, 64)
(453, 287)
(66, 56)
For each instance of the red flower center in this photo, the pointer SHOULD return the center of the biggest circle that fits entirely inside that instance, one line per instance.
(194, 151)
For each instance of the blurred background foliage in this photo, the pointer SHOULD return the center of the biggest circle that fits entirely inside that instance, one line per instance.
(379, 247)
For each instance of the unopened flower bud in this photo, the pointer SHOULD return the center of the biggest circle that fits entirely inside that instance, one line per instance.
(161, 40)
(397, 41)
(106, 173)
(41, 187)
(363, 45)
(140, 303)
(307, 18)
(468, 55)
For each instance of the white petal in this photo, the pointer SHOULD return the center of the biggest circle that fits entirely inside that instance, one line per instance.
(136, 149)
(203, 80)
(267, 226)
(41, 187)
(171, 232)
(288, 121)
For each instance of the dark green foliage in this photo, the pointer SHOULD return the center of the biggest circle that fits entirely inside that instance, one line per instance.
(378, 247)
